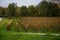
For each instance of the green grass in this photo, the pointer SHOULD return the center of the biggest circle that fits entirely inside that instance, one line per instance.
(3, 24)
(21, 36)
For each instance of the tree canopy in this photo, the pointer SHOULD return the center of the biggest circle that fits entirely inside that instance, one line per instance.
(43, 9)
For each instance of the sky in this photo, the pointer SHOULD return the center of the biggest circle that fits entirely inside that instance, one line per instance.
(5, 3)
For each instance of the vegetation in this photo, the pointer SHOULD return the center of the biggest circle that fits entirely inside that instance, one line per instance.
(20, 36)
(15, 23)
(20, 25)
(43, 9)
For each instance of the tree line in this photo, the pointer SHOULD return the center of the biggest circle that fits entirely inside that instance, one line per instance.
(43, 9)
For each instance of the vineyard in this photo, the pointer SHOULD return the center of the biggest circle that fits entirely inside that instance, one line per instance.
(31, 24)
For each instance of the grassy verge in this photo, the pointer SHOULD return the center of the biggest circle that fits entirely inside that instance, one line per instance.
(21, 36)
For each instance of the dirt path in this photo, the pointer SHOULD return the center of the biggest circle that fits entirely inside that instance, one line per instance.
(54, 34)
(0, 19)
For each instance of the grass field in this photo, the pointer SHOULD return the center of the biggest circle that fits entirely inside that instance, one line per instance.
(21, 36)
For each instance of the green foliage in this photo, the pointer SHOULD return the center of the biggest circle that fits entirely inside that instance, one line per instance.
(48, 9)
(31, 10)
(11, 9)
(43, 9)
(52, 9)
(23, 11)
(3, 14)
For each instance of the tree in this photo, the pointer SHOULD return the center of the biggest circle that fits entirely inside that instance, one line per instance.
(43, 6)
(31, 10)
(1, 11)
(23, 11)
(3, 14)
(11, 9)
(48, 9)
(52, 9)
(17, 11)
